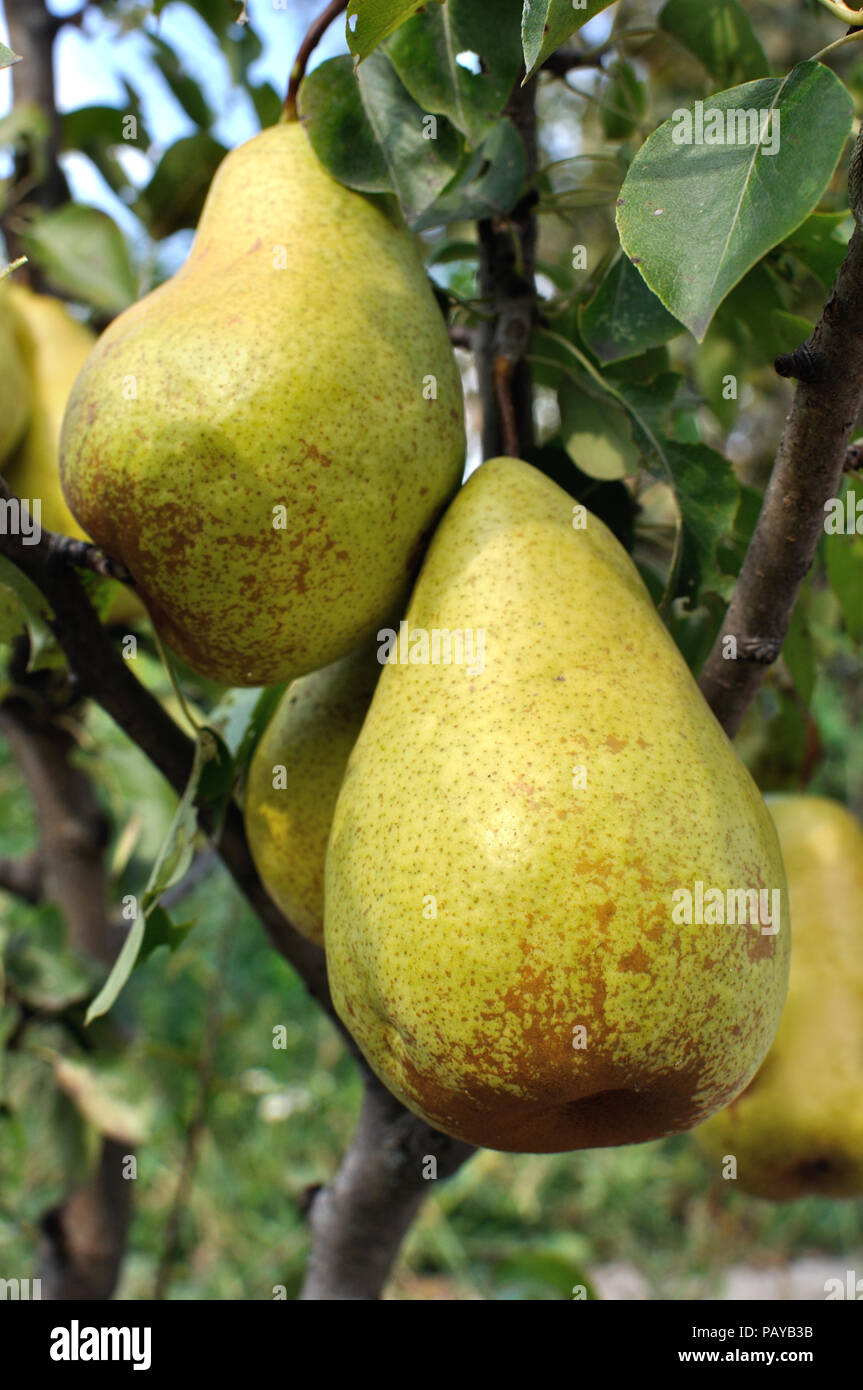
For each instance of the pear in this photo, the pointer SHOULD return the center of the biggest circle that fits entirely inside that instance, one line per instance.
(797, 1129)
(14, 381)
(516, 835)
(266, 439)
(294, 780)
(54, 347)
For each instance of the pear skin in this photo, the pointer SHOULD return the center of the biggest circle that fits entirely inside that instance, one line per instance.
(304, 751)
(54, 348)
(266, 440)
(15, 401)
(797, 1129)
(509, 838)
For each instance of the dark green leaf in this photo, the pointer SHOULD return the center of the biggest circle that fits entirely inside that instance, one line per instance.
(267, 103)
(821, 243)
(546, 24)
(624, 101)
(490, 186)
(205, 786)
(844, 555)
(175, 194)
(798, 649)
(708, 496)
(343, 139)
(426, 51)
(370, 133)
(624, 318)
(47, 980)
(183, 87)
(696, 217)
(84, 254)
(720, 35)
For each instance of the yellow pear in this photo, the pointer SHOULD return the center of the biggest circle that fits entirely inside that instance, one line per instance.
(518, 835)
(266, 439)
(294, 779)
(14, 381)
(54, 348)
(797, 1129)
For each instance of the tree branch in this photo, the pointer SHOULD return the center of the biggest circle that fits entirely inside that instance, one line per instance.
(73, 830)
(359, 1221)
(508, 290)
(807, 474)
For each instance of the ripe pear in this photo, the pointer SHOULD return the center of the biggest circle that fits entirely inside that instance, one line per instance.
(294, 780)
(54, 348)
(266, 439)
(509, 836)
(797, 1129)
(14, 381)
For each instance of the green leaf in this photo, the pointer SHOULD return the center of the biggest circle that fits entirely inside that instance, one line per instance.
(624, 318)
(369, 22)
(821, 243)
(798, 649)
(368, 132)
(84, 254)
(490, 186)
(58, 1154)
(28, 595)
(696, 217)
(206, 785)
(426, 50)
(720, 35)
(175, 194)
(241, 718)
(183, 87)
(344, 140)
(597, 434)
(708, 495)
(47, 980)
(624, 101)
(546, 24)
(267, 104)
(7, 57)
(844, 556)
(98, 131)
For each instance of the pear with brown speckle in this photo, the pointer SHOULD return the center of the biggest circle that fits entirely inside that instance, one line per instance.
(539, 794)
(266, 439)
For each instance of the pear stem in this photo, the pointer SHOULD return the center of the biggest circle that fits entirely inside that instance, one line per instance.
(316, 32)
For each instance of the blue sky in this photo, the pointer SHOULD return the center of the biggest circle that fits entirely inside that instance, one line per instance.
(89, 64)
